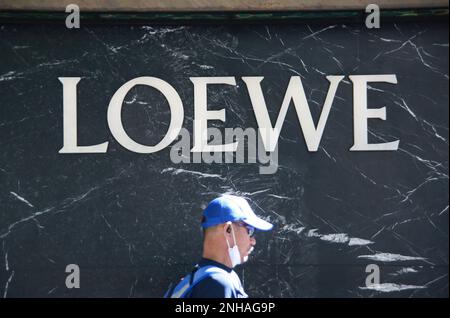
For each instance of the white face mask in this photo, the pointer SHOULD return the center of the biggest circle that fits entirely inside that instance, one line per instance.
(233, 252)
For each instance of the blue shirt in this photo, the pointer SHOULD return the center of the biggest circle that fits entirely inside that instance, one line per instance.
(222, 285)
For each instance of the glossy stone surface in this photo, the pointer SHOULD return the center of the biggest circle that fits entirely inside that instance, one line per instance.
(131, 221)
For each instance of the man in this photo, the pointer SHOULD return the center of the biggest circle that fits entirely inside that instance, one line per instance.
(228, 224)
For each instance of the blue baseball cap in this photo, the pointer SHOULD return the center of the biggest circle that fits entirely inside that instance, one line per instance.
(231, 208)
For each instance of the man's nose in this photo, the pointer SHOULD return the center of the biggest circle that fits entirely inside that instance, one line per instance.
(253, 241)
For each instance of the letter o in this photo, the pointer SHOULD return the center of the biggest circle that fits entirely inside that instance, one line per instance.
(115, 114)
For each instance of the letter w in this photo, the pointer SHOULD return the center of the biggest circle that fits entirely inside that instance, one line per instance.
(296, 93)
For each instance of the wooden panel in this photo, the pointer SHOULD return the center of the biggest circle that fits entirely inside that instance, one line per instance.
(213, 5)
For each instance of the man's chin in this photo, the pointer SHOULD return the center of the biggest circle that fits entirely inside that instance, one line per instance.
(245, 258)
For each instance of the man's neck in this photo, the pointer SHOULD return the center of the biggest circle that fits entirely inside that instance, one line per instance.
(222, 258)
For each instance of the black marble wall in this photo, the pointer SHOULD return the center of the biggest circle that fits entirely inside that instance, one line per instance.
(131, 221)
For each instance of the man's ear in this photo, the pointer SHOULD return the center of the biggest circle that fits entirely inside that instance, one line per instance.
(228, 227)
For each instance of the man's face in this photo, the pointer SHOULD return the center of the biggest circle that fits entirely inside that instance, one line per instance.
(244, 241)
